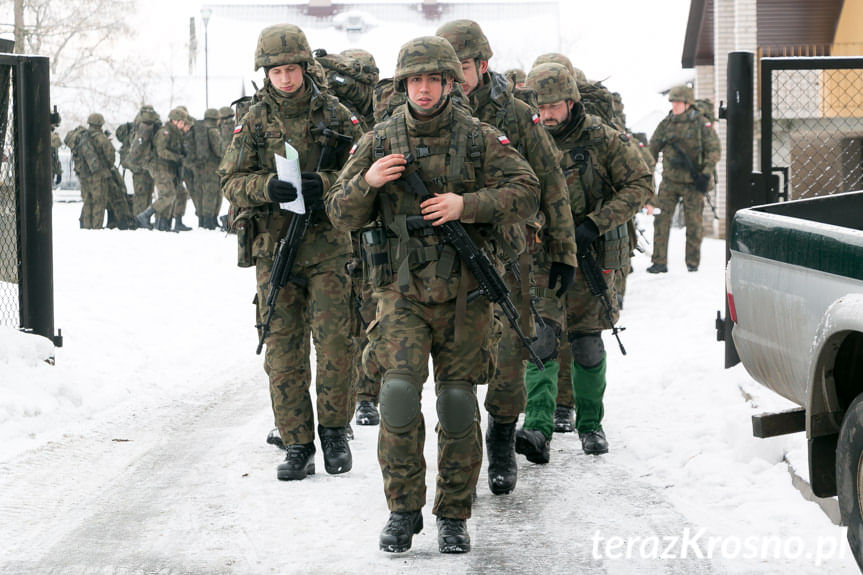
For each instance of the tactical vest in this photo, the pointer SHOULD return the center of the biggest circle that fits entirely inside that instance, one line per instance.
(404, 242)
(596, 188)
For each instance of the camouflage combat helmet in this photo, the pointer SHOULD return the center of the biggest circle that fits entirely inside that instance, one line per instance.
(178, 114)
(148, 114)
(515, 76)
(427, 55)
(681, 94)
(559, 58)
(282, 44)
(467, 39)
(370, 71)
(226, 112)
(95, 119)
(552, 83)
(211, 114)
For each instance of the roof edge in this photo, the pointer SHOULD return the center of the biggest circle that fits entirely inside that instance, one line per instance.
(693, 31)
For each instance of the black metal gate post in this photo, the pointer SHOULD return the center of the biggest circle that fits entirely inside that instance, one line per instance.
(34, 197)
(738, 165)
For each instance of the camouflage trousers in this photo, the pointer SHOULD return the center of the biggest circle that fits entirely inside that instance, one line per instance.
(170, 193)
(142, 183)
(319, 308)
(210, 196)
(401, 339)
(367, 382)
(693, 208)
(506, 395)
(192, 190)
(94, 194)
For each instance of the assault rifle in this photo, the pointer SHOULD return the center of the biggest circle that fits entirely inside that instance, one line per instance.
(687, 163)
(598, 288)
(286, 253)
(491, 285)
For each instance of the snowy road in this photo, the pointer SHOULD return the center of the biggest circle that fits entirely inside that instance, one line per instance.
(142, 450)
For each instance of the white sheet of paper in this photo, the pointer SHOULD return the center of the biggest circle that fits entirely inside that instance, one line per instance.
(288, 170)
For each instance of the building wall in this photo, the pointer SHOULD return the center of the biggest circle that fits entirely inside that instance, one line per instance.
(735, 30)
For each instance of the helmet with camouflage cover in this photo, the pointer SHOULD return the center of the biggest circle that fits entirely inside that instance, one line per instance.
(552, 83)
(681, 94)
(148, 114)
(467, 39)
(226, 112)
(211, 114)
(178, 114)
(370, 72)
(515, 76)
(95, 119)
(427, 55)
(282, 44)
(559, 58)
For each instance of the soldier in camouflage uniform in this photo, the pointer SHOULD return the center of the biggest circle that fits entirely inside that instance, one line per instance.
(690, 149)
(421, 286)
(209, 154)
(96, 154)
(166, 171)
(140, 160)
(56, 142)
(226, 124)
(608, 183)
(554, 251)
(292, 108)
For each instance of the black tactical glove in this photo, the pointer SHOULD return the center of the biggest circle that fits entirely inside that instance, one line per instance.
(585, 234)
(701, 182)
(279, 191)
(57, 179)
(313, 191)
(563, 272)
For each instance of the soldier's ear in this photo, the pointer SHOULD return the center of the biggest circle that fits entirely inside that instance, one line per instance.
(483, 66)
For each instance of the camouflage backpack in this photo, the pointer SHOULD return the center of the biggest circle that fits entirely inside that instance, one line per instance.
(71, 141)
(124, 134)
(88, 160)
(141, 149)
(599, 101)
(705, 107)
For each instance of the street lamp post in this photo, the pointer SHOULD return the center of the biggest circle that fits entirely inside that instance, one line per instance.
(205, 16)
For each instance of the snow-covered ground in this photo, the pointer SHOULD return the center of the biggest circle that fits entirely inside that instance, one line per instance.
(142, 449)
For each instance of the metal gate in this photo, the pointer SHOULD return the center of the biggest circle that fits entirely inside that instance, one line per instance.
(26, 260)
(811, 126)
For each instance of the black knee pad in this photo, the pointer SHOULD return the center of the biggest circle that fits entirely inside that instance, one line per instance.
(587, 349)
(456, 408)
(399, 400)
(547, 342)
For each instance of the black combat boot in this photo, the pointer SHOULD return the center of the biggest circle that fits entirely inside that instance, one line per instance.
(452, 535)
(210, 223)
(564, 419)
(400, 529)
(179, 226)
(367, 413)
(657, 269)
(299, 462)
(112, 220)
(337, 452)
(163, 224)
(533, 444)
(143, 218)
(502, 467)
(275, 438)
(594, 442)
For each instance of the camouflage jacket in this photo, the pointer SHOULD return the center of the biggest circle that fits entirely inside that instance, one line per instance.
(493, 104)
(168, 147)
(249, 162)
(688, 144)
(56, 167)
(608, 180)
(497, 184)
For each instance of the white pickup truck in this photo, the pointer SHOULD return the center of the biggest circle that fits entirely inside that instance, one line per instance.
(795, 295)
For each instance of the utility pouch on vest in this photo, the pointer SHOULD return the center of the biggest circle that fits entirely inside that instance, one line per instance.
(376, 253)
(616, 249)
(244, 225)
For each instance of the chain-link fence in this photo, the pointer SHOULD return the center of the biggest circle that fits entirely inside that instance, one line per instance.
(9, 312)
(812, 125)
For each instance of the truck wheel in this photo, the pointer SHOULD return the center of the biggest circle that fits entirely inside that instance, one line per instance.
(849, 476)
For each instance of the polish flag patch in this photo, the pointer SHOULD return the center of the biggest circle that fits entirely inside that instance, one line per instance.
(354, 120)
(353, 149)
(535, 118)
(503, 140)
(238, 128)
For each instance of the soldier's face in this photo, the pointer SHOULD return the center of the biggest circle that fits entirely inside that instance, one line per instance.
(472, 76)
(427, 90)
(555, 114)
(678, 107)
(287, 78)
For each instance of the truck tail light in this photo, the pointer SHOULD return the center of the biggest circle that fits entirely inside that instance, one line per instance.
(732, 311)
